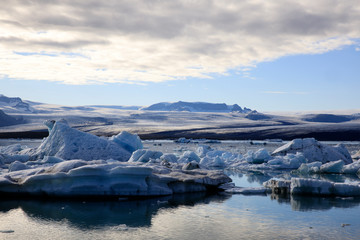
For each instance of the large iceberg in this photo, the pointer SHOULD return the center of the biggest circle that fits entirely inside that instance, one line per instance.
(68, 143)
(315, 151)
(79, 178)
(71, 163)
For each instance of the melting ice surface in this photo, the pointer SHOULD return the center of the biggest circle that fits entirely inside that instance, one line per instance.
(191, 216)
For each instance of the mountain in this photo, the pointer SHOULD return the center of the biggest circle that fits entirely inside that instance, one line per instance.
(196, 107)
(14, 104)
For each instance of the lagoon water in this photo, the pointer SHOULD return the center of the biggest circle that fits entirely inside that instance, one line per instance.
(189, 216)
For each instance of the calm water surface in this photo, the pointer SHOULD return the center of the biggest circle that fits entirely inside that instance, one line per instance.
(191, 216)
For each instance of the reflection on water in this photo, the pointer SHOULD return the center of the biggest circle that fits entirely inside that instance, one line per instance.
(257, 178)
(195, 216)
(309, 203)
(97, 214)
(188, 216)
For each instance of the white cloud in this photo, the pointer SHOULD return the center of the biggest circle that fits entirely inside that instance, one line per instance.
(152, 41)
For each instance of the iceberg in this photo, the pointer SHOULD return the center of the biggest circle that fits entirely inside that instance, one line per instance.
(308, 186)
(315, 151)
(71, 163)
(68, 143)
(79, 178)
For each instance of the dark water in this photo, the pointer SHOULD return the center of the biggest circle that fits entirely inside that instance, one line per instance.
(190, 216)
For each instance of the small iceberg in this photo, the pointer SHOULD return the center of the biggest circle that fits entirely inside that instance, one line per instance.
(308, 186)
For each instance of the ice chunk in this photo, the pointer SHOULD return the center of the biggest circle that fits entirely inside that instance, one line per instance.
(290, 161)
(128, 141)
(351, 168)
(169, 157)
(68, 143)
(190, 166)
(212, 162)
(144, 156)
(332, 167)
(356, 156)
(17, 166)
(315, 151)
(307, 186)
(260, 156)
(76, 178)
(7, 158)
(189, 156)
(310, 187)
(202, 150)
(347, 189)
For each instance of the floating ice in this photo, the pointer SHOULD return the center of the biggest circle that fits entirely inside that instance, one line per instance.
(356, 156)
(315, 151)
(351, 168)
(258, 157)
(128, 141)
(79, 178)
(68, 143)
(189, 156)
(169, 157)
(144, 156)
(307, 186)
(332, 167)
(290, 161)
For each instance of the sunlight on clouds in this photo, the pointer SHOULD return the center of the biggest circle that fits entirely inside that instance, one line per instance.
(155, 41)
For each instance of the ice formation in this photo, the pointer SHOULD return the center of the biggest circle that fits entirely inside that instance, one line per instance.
(102, 178)
(73, 163)
(308, 186)
(315, 151)
(70, 163)
(68, 143)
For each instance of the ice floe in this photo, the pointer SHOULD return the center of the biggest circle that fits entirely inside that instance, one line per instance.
(308, 186)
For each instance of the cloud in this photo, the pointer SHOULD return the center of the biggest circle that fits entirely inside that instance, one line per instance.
(153, 41)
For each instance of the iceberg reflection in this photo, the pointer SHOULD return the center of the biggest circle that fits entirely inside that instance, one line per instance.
(102, 214)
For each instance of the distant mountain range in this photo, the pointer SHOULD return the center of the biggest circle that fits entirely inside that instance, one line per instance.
(17, 105)
(196, 107)
(12, 104)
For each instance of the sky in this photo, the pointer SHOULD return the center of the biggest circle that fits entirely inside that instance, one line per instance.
(267, 55)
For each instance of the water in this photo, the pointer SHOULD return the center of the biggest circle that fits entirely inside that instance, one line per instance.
(189, 216)
(195, 216)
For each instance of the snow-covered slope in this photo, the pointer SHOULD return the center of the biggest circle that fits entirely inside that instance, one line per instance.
(196, 107)
(14, 105)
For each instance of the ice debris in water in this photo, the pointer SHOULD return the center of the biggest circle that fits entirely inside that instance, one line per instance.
(315, 151)
(307, 186)
(70, 163)
(144, 156)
